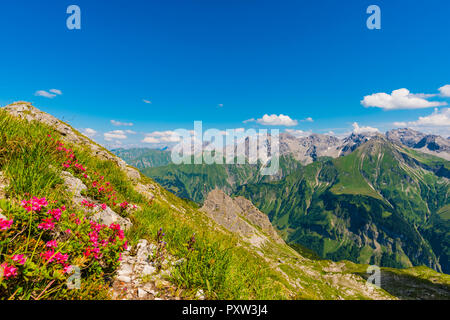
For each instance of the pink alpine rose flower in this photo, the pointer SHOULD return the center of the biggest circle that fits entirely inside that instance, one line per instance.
(19, 258)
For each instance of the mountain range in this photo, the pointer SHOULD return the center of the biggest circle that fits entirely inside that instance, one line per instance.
(369, 198)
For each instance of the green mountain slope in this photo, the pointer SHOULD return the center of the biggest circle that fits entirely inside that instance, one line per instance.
(194, 182)
(382, 204)
(143, 157)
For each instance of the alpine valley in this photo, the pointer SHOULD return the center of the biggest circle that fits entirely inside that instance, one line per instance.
(369, 198)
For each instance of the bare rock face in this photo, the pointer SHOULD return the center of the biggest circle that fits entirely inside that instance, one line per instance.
(435, 145)
(352, 142)
(303, 149)
(108, 216)
(256, 217)
(240, 216)
(138, 277)
(431, 144)
(405, 136)
(308, 149)
(147, 190)
(74, 185)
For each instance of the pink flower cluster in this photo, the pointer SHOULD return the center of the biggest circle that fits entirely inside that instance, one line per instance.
(19, 258)
(52, 244)
(93, 238)
(47, 224)
(59, 258)
(124, 205)
(8, 271)
(87, 204)
(118, 231)
(56, 213)
(5, 224)
(34, 204)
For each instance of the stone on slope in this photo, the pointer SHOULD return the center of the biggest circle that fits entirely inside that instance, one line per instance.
(74, 185)
(108, 216)
(240, 216)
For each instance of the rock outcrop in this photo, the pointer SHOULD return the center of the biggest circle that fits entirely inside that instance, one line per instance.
(241, 217)
(138, 277)
(431, 144)
(105, 216)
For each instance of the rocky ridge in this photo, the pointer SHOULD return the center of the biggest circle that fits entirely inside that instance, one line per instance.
(240, 216)
(427, 143)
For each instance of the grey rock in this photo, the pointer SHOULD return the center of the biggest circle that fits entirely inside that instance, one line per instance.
(141, 293)
(232, 214)
(74, 185)
(126, 279)
(200, 295)
(125, 270)
(148, 270)
(108, 216)
(431, 144)
(145, 190)
(142, 250)
(405, 136)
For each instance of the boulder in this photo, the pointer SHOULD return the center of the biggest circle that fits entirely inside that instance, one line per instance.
(108, 216)
(74, 185)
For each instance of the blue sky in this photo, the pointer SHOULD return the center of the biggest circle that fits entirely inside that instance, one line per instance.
(227, 61)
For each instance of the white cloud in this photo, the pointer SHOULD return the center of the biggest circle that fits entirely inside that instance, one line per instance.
(400, 99)
(116, 134)
(45, 94)
(309, 119)
(445, 90)
(130, 131)
(56, 91)
(147, 101)
(298, 133)
(162, 137)
(357, 129)
(220, 105)
(274, 120)
(437, 118)
(121, 124)
(89, 132)
(150, 140)
(437, 122)
(48, 94)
